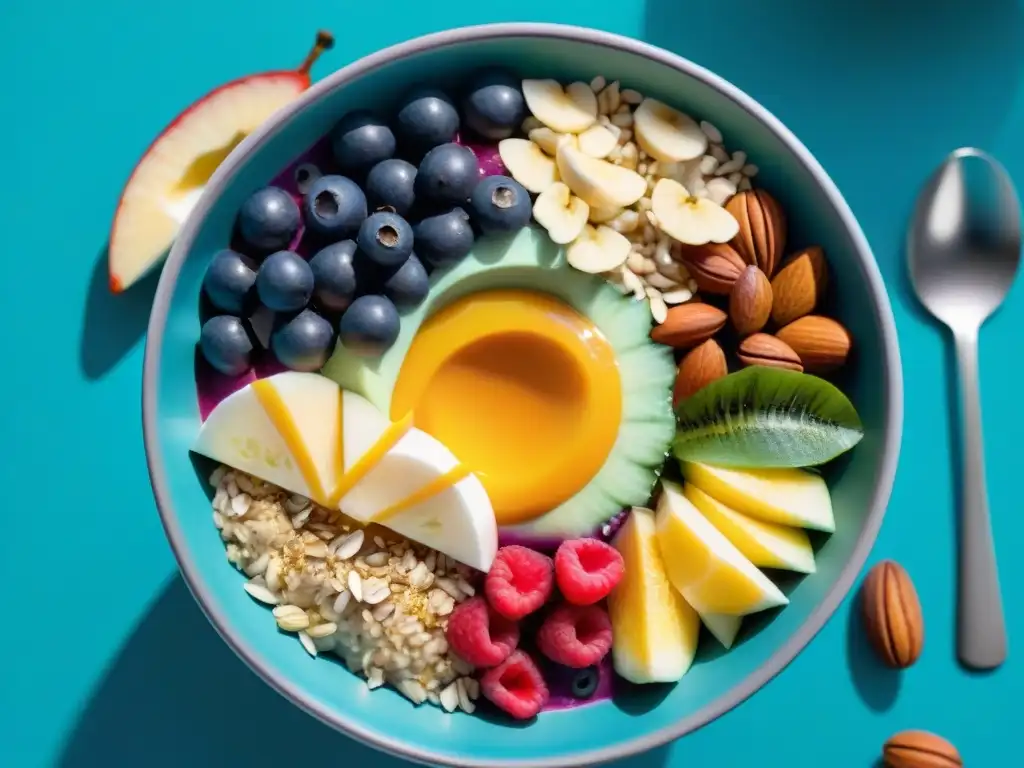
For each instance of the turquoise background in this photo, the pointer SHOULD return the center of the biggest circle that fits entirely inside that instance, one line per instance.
(106, 660)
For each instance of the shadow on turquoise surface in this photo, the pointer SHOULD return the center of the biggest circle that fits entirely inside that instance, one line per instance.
(176, 687)
(112, 324)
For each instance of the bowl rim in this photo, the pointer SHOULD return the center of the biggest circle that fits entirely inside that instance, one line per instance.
(880, 306)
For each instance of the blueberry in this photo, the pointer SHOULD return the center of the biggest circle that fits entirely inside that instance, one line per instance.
(370, 326)
(304, 176)
(409, 285)
(427, 118)
(392, 183)
(334, 276)
(284, 282)
(500, 204)
(494, 107)
(269, 219)
(360, 141)
(444, 238)
(585, 682)
(334, 207)
(447, 174)
(304, 342)
(229, 280)
(226, 345)
(385, 239)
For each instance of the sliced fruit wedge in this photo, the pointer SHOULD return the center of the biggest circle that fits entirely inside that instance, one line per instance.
(767, 545)
(240, 433)
(666, 134)
(710, 573)
(561, 213)
(598, 249)
(793, 497)
(172, 174)
(302, 432)
(569, 110)
(416, 487)
(690, 219)
(600, 183)
(723, 628)
(528, 164)
(655, 630)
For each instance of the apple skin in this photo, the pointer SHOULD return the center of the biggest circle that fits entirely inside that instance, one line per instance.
(296, 80)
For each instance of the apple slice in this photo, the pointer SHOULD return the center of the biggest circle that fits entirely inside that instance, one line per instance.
(172, 174)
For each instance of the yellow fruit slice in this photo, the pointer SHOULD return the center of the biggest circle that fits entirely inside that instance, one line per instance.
(767, 545)
(784, 496)
(723, 628)
(710, 573)
(655, 630)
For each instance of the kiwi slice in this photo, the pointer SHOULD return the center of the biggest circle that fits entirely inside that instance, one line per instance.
(766, 417)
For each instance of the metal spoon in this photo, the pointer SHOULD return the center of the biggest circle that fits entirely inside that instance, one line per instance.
(964, 247)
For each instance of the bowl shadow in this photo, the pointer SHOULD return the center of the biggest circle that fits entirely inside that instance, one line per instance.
(176, 694)
(113, 323)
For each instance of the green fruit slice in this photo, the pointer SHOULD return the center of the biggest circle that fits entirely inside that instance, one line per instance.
(766, 417)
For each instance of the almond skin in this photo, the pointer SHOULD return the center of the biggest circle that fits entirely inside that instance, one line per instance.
(799, 286)
(688, 325)
(892, 615)
(764, 349)
(750, 302)
(920, 749)
(701, 365)
(822, 343)
(714, 266)
(762, 236)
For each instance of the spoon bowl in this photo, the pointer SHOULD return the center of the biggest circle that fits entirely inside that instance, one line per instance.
(963, 252)
(965, 239)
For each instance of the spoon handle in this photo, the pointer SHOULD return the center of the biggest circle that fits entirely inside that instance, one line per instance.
(981, 632)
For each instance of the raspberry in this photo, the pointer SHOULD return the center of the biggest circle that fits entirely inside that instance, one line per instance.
(479, 635)
(516, 686)
(587, 570)
(519, 581)
(576, 635)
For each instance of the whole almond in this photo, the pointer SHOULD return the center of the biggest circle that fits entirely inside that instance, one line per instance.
(750, 302)
(701, 365)
(892, 615)
(822, 343)
(799, 286)
(687, 325)
(762, 236)
(764, 349)
(714, 266)
(920, 749)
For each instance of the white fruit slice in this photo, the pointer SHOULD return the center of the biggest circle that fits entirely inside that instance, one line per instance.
(548, 140)
(569, 110)
(767, 545)
(240, 432)
(723, 628)
(597, 141)
(528, 164)
(418, 489)
(666, 134)
(600, 183)
(690, 219)
(598, 249)
(561, 213)
(707, 569)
